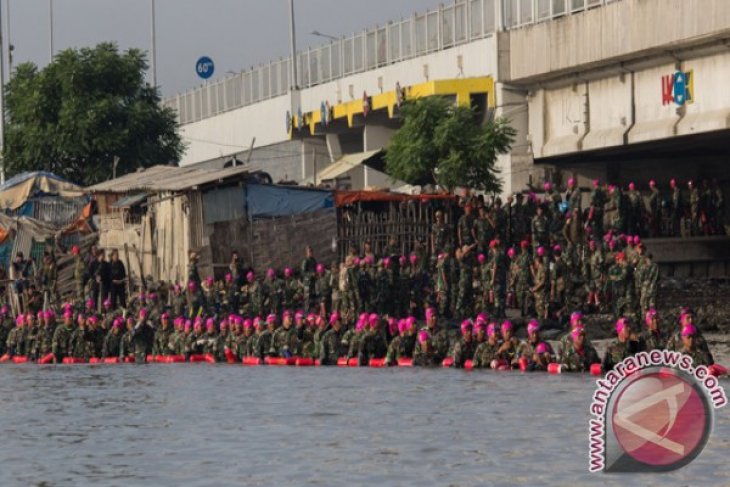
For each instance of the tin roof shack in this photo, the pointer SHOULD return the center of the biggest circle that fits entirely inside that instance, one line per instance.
(156, 216)
(375, 216)
(43, 196)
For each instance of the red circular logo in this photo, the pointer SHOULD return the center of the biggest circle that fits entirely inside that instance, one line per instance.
(660, 419)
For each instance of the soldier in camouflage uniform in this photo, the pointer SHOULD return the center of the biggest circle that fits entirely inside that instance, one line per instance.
(293, 291)
(425, 353)
(403, 345)
(79, 274)
(113, 340)
(465, 298)
(625, 345)
(161, 343)
(438, 337)
(322, 298)
(61, 345)
(254, 296)
(594, 275)
(465, 347)
(466, 229)
(374, 344)
(541, 285)
(331, 347)
(653, 337)
(498, 278)
(689, 346)
(441, 235)
(308, 270)
(580, 354)
(654, 206)
(487, 351)
(694, 209)
(559, 277)
(540, 229)
(442, 285)
(285, 342)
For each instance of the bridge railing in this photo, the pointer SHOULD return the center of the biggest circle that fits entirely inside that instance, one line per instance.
(458, 23)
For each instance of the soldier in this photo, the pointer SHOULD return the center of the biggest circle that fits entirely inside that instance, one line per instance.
(331, 346)
(635, 211)
(438, 337)
(48, 279)
(284, 342)
(465, 298)
(625, 345)
(263, 345)
(440, 235)
(539, 227)
(719, 202)
(193, 274)
(538, 353)
(142, 337)
(593, 273)
(252, 344)
(694, 209)
(113, 340)
(559, 276)
(464, 348)
(484, 230)
(580, 354)
(118, 281)
(541, 287)
(653, 338)
(676, 209)
(425, 354)
(466, 231)
(61, 345)
(616, 209)
(619, 278)
(242, 343)
(595, 212)
(161, 341)
(403, 345)
(510, 344)
(654, 206)
(442, 285)
(6, 326)
(487, 351)
(308, 270)
(80, 275)
(690, 347)
(498, 278)
(374, 344)
(320, 325)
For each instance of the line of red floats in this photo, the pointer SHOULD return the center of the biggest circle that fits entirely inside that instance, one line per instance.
(502, 365)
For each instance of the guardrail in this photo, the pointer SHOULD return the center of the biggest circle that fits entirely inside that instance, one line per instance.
(435, 30)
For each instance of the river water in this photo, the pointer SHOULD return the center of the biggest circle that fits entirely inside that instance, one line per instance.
(218, 425)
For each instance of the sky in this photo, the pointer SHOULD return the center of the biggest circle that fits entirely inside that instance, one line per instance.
(236, 34)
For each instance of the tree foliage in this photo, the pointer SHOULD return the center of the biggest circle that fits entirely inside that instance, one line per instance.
(83, 109)
(440, 143)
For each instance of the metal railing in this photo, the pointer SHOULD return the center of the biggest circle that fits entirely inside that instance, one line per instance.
(436, 30)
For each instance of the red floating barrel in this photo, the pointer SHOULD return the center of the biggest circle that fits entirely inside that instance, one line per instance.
(524, 363)
(596, 369)
(469, 364)
(73, 360)
(353, 362)
(342, 362)
(46, 359)
(20, 359)
(94, 360)
(499, 364)
(405, 362)
(448, 362)
(172, 359)
(377, 362)
(251, 361)
(717, 370)
(304, 362)
(111, 360)
(317, 362)
(209, 358)
(129, 360)
(554, 368)
(197, 357)
(230, 356)
(4, 358)
(280, 361)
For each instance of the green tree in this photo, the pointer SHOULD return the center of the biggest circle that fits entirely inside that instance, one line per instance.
(87, 107)
(441, 143)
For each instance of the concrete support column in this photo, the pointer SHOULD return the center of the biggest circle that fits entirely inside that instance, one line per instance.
(376, 137)
(334, 148)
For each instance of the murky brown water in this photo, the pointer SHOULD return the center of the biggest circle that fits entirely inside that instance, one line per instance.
(174, 425)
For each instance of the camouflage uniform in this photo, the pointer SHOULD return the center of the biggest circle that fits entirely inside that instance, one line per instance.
(439, 345)
(617, 351)
(442, 285)
(112, 345)
(463, 351)
(331, 347)
(79, 278)
(573, 360)
(653, 340)
(465, 299)
(655, 212)
(401, 346)
(61, 345)
(541, 288)
(284, 342)
(373, 345)
(161, 343)
(484, 354)
(499, 282)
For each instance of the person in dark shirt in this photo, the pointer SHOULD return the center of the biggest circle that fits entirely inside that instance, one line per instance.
(118, 276)
(103, 277)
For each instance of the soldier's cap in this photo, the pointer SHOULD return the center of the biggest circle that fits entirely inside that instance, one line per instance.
(271, 319)
(423, 336)
(491, 329)
(75, 250)
(143, 313)
(334, 317)
(481, 258)
(466, 326)
(511, 252)
(165, 316)
(621, 325)
(533, 326)
(247, 323)
(93, 320)
(90, 303)
(524, 244)
(482, 318)
(506, 325)
(541, 348)
(430, 313)
(373, 319)
(575, 317)
(299, 315)
(689, 330)
(320, 268)
(650, 315)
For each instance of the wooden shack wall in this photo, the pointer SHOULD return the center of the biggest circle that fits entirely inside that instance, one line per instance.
(114, 233)
(169, 243)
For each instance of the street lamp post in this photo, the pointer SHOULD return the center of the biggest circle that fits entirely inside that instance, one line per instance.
(50, 28)
(326, 36)
(153, 52)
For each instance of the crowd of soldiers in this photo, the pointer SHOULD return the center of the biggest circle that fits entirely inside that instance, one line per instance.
(542, 258)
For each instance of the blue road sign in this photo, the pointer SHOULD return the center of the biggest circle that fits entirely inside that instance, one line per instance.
(205, 67)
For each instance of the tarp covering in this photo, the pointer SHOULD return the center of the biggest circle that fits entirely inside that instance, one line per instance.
(35, 229)
(130, 200)
(345, 198)
(18, 189)
(264, 201)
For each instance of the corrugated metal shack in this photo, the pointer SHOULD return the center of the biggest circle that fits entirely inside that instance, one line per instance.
(156, 216)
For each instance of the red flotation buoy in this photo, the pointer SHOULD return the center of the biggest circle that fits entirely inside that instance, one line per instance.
(111, 360)
(317, 362)
(251, 361)
(304, 362)
(151, 359)
(717, 370)
(46, 359)
(20, 359)
(197, 357)
(377, 362)
(524, 363)
(596, 369)
(448, 362)
(353, 362)
(172, 359)
(469, 364)
(94, 360)
(73, 360)
(342, 362)
(554, 368)
(405, 362)
(4, 358)
(230, 356)
(129, 360)
(209, 357)
(280, 360)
